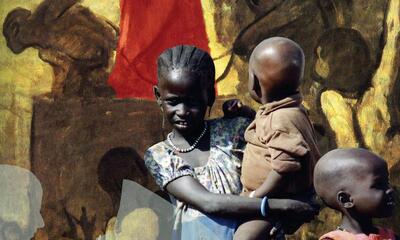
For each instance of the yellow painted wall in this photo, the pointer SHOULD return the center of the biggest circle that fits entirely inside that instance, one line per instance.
(23, 76)
(219, 52)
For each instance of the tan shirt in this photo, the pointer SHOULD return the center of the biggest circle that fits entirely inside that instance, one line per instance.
(280, 138)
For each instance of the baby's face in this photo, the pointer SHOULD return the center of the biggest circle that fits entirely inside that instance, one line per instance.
(272, 79)
(254, 86)
(264, 76)
(372, 194)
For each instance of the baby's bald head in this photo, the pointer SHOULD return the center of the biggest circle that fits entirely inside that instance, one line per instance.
(278, 65)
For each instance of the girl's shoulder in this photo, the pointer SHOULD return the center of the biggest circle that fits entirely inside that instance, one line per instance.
(164, 166)
(158, 150)
(160, 146)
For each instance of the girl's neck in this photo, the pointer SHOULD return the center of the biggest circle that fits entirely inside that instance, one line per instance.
(188, 137)
(358, 225)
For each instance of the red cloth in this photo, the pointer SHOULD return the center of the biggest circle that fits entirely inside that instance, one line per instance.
(147, 28)
(384, 234)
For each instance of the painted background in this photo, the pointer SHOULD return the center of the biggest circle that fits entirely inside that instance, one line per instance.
(351, 88)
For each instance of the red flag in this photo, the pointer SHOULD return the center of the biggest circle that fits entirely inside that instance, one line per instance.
(147, 28)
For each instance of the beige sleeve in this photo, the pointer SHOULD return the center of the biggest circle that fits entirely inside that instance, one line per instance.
(286, 151)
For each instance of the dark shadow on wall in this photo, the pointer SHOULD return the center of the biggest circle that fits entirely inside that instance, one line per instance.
(116, 165)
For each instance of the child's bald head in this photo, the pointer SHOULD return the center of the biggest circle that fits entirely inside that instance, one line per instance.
(354, 178)
(275, 70)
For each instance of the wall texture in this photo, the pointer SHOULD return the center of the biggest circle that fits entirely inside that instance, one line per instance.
(351, 84)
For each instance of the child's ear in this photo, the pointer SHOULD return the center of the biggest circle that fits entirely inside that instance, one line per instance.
(344, 199)
(157, 95)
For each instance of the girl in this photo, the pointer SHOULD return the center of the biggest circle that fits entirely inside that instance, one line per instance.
(196, 164)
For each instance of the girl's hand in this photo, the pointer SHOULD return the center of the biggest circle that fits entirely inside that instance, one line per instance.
(294, 209)
(235, 108)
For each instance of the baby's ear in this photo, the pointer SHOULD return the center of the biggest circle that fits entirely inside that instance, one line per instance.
(344, 199)
(157, 95)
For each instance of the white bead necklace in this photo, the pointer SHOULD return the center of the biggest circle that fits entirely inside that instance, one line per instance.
(185, 150)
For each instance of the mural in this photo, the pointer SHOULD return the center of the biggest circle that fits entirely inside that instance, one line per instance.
(73, 71)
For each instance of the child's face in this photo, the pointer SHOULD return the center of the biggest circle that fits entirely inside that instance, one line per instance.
(372, 195)
(269, 80)
(254, 86)
(184, 100)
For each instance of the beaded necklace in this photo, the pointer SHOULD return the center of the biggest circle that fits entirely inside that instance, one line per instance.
(189, 149)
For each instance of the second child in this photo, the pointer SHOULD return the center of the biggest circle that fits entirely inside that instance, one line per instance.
(355, 182)
(281, 149)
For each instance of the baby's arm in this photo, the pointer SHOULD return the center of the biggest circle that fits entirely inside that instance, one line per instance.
(271, 185)
(286, 153)
(261, 228)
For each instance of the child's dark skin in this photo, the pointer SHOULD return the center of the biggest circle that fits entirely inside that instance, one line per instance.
(275, 70)
(270, 68)
(184, 99)
(356, 183)
(184, 107)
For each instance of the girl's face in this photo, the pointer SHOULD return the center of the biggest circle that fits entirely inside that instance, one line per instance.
(184, 100)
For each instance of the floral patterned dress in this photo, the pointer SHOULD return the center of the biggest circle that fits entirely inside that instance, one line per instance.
(220, 175)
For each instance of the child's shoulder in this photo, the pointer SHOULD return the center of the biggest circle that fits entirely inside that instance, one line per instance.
(284, 112)
(337, 234)
(288, 118)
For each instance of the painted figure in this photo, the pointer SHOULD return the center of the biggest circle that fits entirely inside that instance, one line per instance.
(77, 43)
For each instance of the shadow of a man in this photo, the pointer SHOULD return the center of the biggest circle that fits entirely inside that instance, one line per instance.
(20, 202)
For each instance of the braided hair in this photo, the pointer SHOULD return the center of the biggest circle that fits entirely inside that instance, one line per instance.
(192, 59)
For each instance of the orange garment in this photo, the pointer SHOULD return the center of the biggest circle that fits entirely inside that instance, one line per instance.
(384, 234)
(280, 138)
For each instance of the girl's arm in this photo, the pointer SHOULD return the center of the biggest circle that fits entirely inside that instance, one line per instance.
(189, 190)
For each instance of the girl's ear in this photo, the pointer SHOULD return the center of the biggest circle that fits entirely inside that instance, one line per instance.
(211, 97)
(211, 101)
(157, 95)
(344, 199)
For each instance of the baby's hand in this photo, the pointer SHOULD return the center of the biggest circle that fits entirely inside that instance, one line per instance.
(235, 108)
(231, 108)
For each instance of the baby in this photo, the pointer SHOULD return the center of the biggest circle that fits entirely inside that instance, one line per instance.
(281, 149)
(355, 182)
